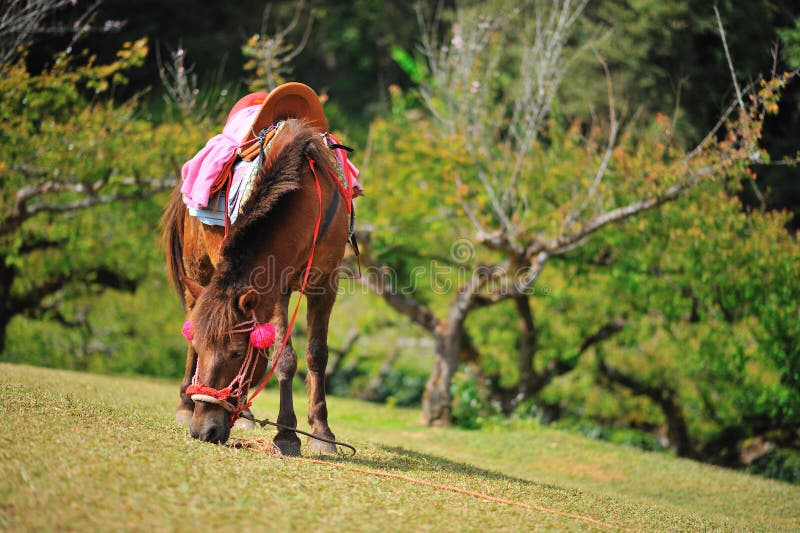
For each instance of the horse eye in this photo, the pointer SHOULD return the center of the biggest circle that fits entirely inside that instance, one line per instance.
(237, 355)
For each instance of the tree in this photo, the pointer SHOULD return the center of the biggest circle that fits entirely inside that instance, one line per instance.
(712, 344)
(67, 147)
(500, 160)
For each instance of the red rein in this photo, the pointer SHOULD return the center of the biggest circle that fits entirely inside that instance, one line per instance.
(262, 336)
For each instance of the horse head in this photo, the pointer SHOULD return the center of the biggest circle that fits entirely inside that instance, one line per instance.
(230, 345)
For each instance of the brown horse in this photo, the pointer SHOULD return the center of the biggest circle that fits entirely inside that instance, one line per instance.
(224, 281)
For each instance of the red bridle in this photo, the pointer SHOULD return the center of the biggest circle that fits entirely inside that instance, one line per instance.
(262, 336)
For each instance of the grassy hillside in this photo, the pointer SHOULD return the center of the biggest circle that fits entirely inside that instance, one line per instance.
(83, 451)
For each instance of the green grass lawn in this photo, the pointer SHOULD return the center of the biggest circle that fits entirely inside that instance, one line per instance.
(89, 452)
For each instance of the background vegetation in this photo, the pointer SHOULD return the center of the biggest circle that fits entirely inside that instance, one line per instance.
(674, 329)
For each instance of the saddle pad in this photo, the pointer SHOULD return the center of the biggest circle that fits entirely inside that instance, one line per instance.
(244, 172)
(244, 175)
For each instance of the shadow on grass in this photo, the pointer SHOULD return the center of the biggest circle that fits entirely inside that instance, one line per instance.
(405, 460)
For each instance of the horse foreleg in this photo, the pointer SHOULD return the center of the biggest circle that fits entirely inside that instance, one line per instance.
(287, 441)
(319, 312)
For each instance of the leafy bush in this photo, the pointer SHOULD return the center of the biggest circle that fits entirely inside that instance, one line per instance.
(781, 464)
(79, 173)
(626, 436)
(401, 388)
(471, 404)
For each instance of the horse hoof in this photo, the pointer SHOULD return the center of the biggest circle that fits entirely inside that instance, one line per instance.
(183, 416)
(321, 447)
(289, 447)
(243, 423)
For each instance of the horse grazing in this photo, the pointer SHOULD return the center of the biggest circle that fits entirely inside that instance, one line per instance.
(247, 277)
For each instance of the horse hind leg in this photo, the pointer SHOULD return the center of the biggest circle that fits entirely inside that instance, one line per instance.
(319, 312)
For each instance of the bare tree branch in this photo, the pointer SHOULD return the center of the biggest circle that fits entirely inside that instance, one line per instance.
(603, 333)
(370, 392)
(730, 62)
(665, 397)
(341, 353)
(299, 47)
(20, 20)
(612, 141)
(271, 55)
(381, 285)
(532, 382)
(563, 243)
(561, 366)
(22, 211)
(542, 69)
(37, 244)
(101, 276)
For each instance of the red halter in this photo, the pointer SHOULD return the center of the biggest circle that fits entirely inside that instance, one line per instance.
(262, 336)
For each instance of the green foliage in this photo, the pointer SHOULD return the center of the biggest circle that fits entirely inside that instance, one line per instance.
(471, 404)
(707, 287)
(401, 388)
(67, 141)
(669, 56)
(626, 436)
(791, 44)
(715, 327)
(710, 325)
(414, 67)
(781, 464)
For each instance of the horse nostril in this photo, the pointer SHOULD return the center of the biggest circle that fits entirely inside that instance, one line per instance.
(215, 434)
(210, 424)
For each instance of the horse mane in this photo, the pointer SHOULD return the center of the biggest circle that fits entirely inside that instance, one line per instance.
(281, 173)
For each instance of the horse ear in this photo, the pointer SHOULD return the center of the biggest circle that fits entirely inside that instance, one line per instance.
(248, 301)
(195, 289)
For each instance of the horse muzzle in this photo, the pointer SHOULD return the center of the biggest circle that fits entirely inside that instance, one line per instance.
(210, 423)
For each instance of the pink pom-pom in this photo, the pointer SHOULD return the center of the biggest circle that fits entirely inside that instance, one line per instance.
(188, 330)
(262, 336)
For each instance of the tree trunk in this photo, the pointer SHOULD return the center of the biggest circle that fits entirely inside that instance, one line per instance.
(6, 281)
(527, 348)
(436, 400)
(677, 431)
(667, 400)
(3, 327)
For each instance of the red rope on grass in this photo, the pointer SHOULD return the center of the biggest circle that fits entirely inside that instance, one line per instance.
(472, 493)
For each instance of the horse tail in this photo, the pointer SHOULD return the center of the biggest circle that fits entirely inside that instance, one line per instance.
(172, 241)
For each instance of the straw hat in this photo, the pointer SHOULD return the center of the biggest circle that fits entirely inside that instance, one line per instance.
(290, 100)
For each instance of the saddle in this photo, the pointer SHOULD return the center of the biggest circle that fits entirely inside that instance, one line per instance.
(289, 100)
